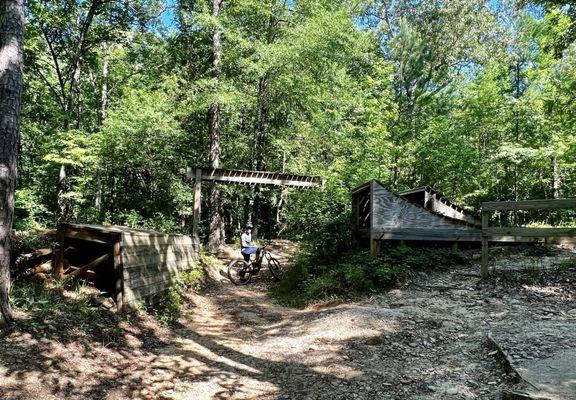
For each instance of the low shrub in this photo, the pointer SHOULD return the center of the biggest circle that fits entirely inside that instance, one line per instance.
(539, 251)
(170, 307)
(356, 273)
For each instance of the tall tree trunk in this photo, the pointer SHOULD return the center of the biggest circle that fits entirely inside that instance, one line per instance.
(517, 95)
(216, 235)
(102, 115)
(73, 107)
(104, 87)
(11, 60)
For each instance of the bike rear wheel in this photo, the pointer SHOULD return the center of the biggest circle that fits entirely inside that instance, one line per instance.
(275, 269)
(239, 272)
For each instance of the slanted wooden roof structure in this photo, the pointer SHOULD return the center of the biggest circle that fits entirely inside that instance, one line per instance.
(132, 265)
(434, 201)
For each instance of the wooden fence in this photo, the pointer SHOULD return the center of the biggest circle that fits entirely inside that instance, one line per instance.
(521, 232)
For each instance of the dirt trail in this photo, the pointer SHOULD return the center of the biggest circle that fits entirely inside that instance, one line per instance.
(422, 342)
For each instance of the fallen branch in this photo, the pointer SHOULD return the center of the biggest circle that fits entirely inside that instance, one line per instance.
(41, 268)
(39, 253)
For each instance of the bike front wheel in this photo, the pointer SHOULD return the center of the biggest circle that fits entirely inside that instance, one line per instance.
(239, 272)
(275, 269)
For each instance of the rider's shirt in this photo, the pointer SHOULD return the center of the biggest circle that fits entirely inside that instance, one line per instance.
(246, 240)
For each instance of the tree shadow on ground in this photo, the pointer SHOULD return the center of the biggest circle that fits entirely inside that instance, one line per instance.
(76, 353)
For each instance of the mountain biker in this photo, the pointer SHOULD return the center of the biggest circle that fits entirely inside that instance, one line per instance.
(248, 247)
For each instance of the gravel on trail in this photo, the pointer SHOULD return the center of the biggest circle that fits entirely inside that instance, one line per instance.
(425, 341)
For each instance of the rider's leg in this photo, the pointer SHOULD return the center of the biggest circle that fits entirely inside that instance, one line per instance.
(246, 251)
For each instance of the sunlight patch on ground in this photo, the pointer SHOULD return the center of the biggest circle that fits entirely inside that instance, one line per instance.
(546, 290)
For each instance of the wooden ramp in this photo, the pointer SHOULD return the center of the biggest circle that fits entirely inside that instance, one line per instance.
(421, 214)
(380, 214)
(431, 199)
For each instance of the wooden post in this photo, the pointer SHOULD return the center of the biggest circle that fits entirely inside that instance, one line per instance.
(485, 222)
(119, 276)
(59, 259)
(374, 243)
(197, 194)
(374, 247)
(455, 246)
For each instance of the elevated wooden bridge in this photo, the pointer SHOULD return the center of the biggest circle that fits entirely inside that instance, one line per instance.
(243, 177)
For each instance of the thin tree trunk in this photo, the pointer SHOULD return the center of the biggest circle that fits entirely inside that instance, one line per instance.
(216, 234)
(11, 60)
(72, 105)
(102, 116)
(556, 177)
(104, 87)
(64, 205)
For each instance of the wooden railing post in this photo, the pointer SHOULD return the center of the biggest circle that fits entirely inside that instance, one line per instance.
(485, 223)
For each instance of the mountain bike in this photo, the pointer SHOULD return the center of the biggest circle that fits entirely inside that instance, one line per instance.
(240, 272)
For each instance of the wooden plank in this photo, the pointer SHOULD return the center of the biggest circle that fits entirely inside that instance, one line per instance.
(151, 270)
(373, 236)
(152, 289)
(158, 281)
(118, 276)
(144, 280)
(112, 230)
(485, 224)
(529, 232)
(427, 234)
(89, 236)
(529, 204)
(155, 248)
(156, 263)
(93, 264)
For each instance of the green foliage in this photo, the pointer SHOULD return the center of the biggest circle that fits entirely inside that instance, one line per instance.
(424, 257)
(539, 251)
(357, 273)
(44, 302)
(568, 264)
(173, 301)
(35, 299)
(29, 212)
(472, 97)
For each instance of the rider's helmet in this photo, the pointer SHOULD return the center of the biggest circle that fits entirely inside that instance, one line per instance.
(249, 226)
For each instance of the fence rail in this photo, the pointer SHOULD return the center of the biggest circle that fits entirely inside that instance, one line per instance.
(521, 232)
